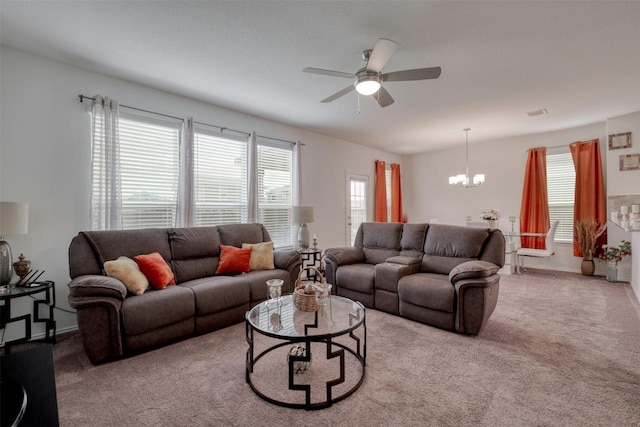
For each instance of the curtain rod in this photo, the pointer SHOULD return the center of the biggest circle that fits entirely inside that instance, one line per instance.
(222, 128)
(565, 145)
(277, 139)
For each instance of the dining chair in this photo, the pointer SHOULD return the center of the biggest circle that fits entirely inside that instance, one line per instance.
(538, 253)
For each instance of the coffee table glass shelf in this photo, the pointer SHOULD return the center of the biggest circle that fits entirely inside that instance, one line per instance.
(330, 368)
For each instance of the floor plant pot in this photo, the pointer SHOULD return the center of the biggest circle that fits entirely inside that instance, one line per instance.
(588, 267)
(612, 271)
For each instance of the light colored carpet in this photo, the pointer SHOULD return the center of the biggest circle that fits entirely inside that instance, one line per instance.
(563, 352)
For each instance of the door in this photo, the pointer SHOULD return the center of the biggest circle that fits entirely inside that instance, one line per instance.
(356, 211)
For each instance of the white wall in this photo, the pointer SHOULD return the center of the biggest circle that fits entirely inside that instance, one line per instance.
(429, 195)
(620, 183)
(45, 158)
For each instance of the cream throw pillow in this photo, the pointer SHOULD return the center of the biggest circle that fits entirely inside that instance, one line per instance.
(261, 255)
(127, 271)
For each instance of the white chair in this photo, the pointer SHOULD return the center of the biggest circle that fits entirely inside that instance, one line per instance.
(539, 253)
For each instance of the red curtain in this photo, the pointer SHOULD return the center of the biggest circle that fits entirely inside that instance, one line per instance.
(380, 193)
(590, 203)
(396, 194)
(534, 209)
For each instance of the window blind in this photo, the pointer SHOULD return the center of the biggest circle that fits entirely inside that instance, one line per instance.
(220, 177)
(275, 196)
(149, 171)
(561, 178)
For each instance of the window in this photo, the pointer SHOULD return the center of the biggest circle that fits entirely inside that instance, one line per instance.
(220, 178)
(561, 178)
(387, 182)
(274, 186)
(149, 171)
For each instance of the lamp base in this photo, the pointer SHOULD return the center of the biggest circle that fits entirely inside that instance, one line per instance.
(303, 236)
(6, 259)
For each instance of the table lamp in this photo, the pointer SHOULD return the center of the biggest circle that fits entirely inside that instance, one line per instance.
(14, 219)
(303, 215)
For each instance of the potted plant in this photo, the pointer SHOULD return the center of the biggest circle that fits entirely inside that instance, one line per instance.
(587, 233)
(613, 255)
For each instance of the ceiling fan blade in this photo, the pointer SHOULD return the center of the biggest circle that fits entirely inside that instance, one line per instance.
(383, 97)
(329, 72)
(380, 54)
(340, 93)
(417, 74)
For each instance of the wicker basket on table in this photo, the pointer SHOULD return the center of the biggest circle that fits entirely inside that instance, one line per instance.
(303, 301)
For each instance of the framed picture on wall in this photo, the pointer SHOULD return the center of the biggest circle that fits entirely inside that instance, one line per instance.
(630, 162)
(620, 140)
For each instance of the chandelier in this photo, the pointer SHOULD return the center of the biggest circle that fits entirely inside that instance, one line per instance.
(463, 180)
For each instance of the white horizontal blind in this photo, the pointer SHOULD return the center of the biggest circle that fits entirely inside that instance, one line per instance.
(220, 176)
(149, 171)
(561, 178)
(387, 181)
(274, 186)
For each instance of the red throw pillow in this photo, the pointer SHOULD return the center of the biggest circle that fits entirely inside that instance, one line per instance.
(156, 269)
(234, 260)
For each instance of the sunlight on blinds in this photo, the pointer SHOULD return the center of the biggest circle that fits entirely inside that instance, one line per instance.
(561, 178)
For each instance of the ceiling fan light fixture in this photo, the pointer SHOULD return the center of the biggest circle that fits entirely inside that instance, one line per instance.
(368, 85)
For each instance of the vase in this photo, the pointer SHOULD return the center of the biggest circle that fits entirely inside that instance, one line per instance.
(492, 224)
(588, 267)
(612, 271)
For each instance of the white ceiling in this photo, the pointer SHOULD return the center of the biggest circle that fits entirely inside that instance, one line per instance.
(578, 59)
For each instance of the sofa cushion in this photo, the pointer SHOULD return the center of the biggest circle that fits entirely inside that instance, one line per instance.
(233, 260)
(127, 271)
(446, 246)
(428, 290)
(381, 235)
(237, 234)
(356, 277)
(261, 255)
(156, 269)
(220, 293)
(473, 270)
(155, 309)
(413, 236)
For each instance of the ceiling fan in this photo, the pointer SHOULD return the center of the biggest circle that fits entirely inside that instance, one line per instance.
(368, 79)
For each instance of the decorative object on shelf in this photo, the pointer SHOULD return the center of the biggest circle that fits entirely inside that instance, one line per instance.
(620, 140)
(303, 215)
(587, 233)
(463, 180)
(315, 243)
(14, 218)
(630, 162)
(613, 255)
(492, 216)
(512, 220)
(275, 291)
(21, 267)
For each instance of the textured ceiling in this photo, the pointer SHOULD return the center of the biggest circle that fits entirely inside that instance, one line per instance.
(578, 59)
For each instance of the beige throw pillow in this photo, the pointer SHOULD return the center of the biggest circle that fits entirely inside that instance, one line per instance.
(261, 255)
(127, 271)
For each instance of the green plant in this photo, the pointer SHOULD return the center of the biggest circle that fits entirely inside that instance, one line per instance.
(616, 253)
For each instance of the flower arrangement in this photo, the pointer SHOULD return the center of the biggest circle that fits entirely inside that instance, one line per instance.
(587, 233)
(491, 215)
(615, 254)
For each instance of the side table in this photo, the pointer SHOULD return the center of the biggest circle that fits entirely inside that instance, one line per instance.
(15, 292)
(311, 258)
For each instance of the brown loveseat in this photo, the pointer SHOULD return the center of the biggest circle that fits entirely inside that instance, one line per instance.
(441, 275)
(114, 323)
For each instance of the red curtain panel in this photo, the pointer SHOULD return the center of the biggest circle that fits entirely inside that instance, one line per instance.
(380, 193)
(396, 193)
(534, 209)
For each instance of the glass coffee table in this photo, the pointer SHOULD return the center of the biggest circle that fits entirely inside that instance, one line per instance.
(306, 360)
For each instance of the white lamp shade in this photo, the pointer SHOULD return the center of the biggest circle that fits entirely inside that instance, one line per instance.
(14, 218)
(367, 87)
(302, 214)
(478, 179)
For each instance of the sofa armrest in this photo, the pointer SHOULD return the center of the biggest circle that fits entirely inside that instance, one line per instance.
(476, 301)
(388, 274)
(289, 261)
(345, 255)
(472, 270)
(97, 286)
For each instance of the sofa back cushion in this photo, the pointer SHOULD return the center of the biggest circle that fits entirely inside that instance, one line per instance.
(446, 246)
(380, 240)
(237, 234)
(412, 242)
(89, 250)
(195, 252)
